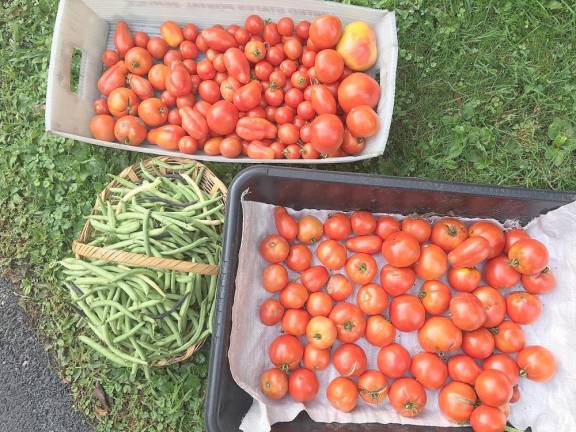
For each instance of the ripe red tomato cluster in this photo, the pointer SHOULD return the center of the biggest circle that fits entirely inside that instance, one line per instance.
(469, 328)
(267, 90)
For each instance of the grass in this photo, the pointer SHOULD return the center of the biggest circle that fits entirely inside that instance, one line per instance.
(485, 93)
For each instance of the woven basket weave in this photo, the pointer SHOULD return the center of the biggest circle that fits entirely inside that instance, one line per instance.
(209, 184)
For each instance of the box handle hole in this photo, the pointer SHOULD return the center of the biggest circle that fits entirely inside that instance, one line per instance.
(75, 66)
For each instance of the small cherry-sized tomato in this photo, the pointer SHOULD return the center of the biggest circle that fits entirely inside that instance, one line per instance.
(187, 144)
(369, 244)
(494, 305)
(432, 263)
(513, 236)
(528, 256)
(491, 232)
(349, 320)
(274, 248)
(110, 58)
(505, 364)
(536, 363)
(373, 387)
(339, 287)
(275, 55)
(271, 35)
(316, 359)
(435, 297)
(498, 273)
(274, 278)
(321, 332)
(287, 132)
(350, 360)
(493, 387)
(363, 222)
(310, 229)
(299, 258)
(485, 418)
(273, 384)
(372, 299)
(293, 97)
(448, 233)
(331, 254)
(478, 344)
(393, 360)
(523, 307)
(361, 268)
(379, 331)
(465, 279)
(314, 278)
(467, 312)
(509, 337)
(255, 51)
(299, 80)
(407, 313)
(386, 225)
(396, 281)
(407, 396)
(337, 226)
(305, 110)
(457, 401)
(157, 47)
(325, 31)
(306, 136)
(294, 322)
(292, 48)
(429, 370)
(263, 70)
(286, 225)
(540, 283)
(401, 249)
(303, 385)
(463, 368)
(440, 335)
(319, 304)
(286, 352)
(293, 296)
(288, 67)
(469, 253)
(417, 227)
(271, 312)
(342, 394)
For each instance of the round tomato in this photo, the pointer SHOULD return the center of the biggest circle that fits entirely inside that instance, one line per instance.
(100, 106)
(303, 385)
(467, 312)
(435, 297)
(337, 226)
(372, 299)
(396, 281)
(255, 51)
(363, 223)
(212, 146)
(319, 303)
(325, 31)
(342, 394)
(190, 32)
(432, 263)
(527, 256)
(310, 229)
(457, 401)
(130, 130)
(271, 312)
(222, 117)
(493, 387)
(293, 98)
(293, 296)
(157, 76)
(292, 48)
(321, 332)
(153, 112)
(349, 320)
(138, 60)
(349, 360)
(314, 278)
(523, 307)
(316, 359)
(487, 419)
(274, 278)
(504, 364)
(339, 287)
(299, 258)
(401, 249)
(393, 360)
(230, 147)
(326, 133)
(329, 66)
(123, 101)
(407, 313)
(407, 396)
(498, 273)
(448, 233)
(362, 121)
(187, 144)
(288, 133)
(209, 90)
(540, 283)
(440, 335)
(379, 331)
(536, 363)
(254, 24)
(373, 387)
(491, 232)
(332, 254)
(361, 268)
(294, 322)
(493, 303)
(419, 228)
(286, 352)
(274, 249)
(102, 127)
(509, 337)
(352, 145)
(464, 279)
(282, 116)
(358, 89)
(429, 370)
(274, 384)
(464, 369)
(387, 225)
(512, 236)
(478, 344)
(110, 58)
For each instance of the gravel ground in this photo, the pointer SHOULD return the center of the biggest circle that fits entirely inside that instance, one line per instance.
(32, 397)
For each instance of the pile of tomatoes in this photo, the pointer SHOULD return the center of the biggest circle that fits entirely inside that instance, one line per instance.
(267, 90)
(468, 321)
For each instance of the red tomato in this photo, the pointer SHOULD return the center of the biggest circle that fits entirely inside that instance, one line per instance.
(372, 299)
(342, 394)
(523, 307)
(536, 363)
(255, 51)
(271, 312)
(363, 223)
(326, 133)
(329, 66)
(286, 352)
(487, 419)
(440, 335)
(157, 47)
(314, 278)
(141, 39)
(493, 303)
(254, 24)
(470, 252)
(361, 268)
(432, 263)
(429, 370)
(349, 360)
(300, 80)
(286, 225)
(172, 57)
(262, 70)
(358, 89)
(322, 100)
(509, 337)
(512, 237)
(187, 144)
(141, 86)
(478, 344)
(274, 249)
(271, 35)
(310, 229)
(332, 254)
(222, 118)
(464, 279)
(100, 106)
(349, 320)
(288, 133)
(493, 387)
(352, 145)
(292, 151)
(102, 127)
(504, 364)
(540, 283)
(321, 332)
(435, 297)
(407, 313)
(362, 121)
(275, 55)
(373, 387)
(396, 281)
(393, 360)
(273, 384)
(463, 368)
(299, 258)
(370, 244)
(285, 114)
(491, 232)
(379, 331)
(417, 227)
(190, 32)
(294, 322)
(527, 256)
(157, 76)
(407, 396)
(110, 58)
(448, 233)
(242, 36)
(303, 385)
(339, 287)
(248, 96)
(457, 401)
(305, 110)
(209, 90)
(274, 278)
(292, 48)
(325, 31)
(294, 97)
(293, 296)
(401, 249)
(337, 226)
(123, 39)
(123, 101)
(467, 312)
(316, 359)
(387, 225)
(498, 273)
(128, 130)
(319, 304)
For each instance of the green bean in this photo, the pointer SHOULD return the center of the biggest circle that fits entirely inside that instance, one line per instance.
(103, 351)
(129, 333)
(115, 305)
(124, 228)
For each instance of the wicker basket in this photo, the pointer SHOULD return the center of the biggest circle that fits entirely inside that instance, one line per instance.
(209, 184)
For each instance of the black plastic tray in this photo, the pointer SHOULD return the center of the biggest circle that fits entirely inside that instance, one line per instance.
(226, 402)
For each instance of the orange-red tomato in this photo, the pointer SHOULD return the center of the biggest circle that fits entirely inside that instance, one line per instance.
(363, 222)
(396, 281)
(130, 130)
(523, 307)
(432, 263)
(141, 39)
(342, 394)
(102, 127)
(536, 363)
(222, 118)
(493, 303)
(178, 81)
(153, 112)
(491, 232)
(286, 225)
(326, 133)
(123, 101)
(316, 359)
(350, 360)
(157, 76)
(171, 33)
(112, 78)
(448, 233)
(407, 313)
(271, 312)
(387, 225)
(361, 268)
(100, 106)
(303, 385)
(493, 387)
(498, 273)
(274, 249)
(478, 344)
(123, 39)
(294, 322)
(358, 89)
(349, 320)
(332, 254)
(273, 384)
(322, 99)
(540, 283)
(299, 258)
(190, 32)
(293, 296)
(352, 145)
(487, 419)
(457, 401)
(314, 278)
(167, 137)
(393, 360)
(370, 244)
(373, 387)
(329, 66)
(285, 26)
(362, 121)
(231, 147)
(401, 249)
(429, 370)
(187, 144)
(464, 369)
(504, 364)
(528, 256)
(440, 335)
(470, 252)
(372, 299)
(138, 60)
(141, 86)
(292, 48)
(321, 332)
(110, 58)
(465, 279)
(255, 51)
(467, 312)
(417, 227)
(407, 396)
(254, 24)
(337, 226)
(325, 31)
(339, 287)
(379, 331)
(319, 304)
(512, 236)
(157, 47)
(274, 278)
(435, 297)
(509, 337)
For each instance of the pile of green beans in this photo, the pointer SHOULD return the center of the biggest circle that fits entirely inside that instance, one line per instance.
(141, 316)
